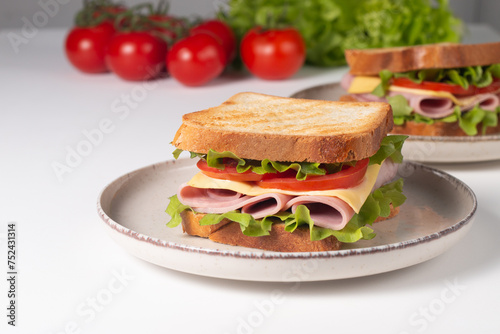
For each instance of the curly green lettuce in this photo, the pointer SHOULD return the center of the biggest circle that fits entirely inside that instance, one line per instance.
(468, 121)
(389, 147)
(331, 26)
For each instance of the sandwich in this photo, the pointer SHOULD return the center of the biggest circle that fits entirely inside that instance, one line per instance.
(288, 175)
(440, 89)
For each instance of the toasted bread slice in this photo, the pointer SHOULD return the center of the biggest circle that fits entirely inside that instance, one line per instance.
(279, 240)
(404, 59)
(258, 126)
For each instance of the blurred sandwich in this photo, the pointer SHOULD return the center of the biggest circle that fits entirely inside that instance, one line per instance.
(435, 90)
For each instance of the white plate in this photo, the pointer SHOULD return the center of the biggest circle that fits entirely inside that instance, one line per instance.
(438, 213)
(436, 149)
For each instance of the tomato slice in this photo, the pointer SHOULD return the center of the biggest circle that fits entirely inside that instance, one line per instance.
(349, 176)
(228, 173)
(495, 86)
(445, 87)
(436, 86)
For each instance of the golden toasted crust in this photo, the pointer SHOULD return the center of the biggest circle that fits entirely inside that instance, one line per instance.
(404, 59)
(258, 126)
(278, 240)
(436, 129)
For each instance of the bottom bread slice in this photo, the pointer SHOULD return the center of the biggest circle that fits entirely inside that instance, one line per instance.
(278, 240)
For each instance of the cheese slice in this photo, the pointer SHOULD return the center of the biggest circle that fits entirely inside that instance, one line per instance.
(363, 84)
(366, 84)
(355, 197)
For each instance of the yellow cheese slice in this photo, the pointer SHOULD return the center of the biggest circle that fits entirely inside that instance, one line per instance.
(363, 84)
(354, 197)
(366, 84)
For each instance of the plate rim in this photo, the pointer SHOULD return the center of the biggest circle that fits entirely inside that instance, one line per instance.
(268, 255)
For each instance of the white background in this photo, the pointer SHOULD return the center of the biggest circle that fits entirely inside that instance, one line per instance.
(67, 263)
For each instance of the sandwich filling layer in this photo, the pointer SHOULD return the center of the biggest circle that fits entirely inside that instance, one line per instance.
(341, 211)
(328, 208)
(472, 99)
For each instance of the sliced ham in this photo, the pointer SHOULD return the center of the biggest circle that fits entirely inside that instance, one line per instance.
(486, 101)
(431, 106)
(221, 201)
(327, 212)
(346, 81)
(265, 205)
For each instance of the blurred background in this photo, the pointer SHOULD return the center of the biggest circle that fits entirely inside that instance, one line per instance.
(13, 11)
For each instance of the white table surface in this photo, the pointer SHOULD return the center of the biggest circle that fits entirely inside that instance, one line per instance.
(66, 259)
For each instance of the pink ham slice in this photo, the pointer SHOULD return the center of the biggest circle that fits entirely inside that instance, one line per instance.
(486, 101)
(327, 212)
(222, 201)
(430, 106)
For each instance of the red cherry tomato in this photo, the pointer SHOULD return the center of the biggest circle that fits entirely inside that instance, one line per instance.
(223, 32)
(348, 177)
(228, 173)
(86, 47)
(196, 59)
(136, 55)
(273, 54)
(446, 87)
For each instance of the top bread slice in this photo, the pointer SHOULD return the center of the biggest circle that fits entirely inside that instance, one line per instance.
(404, 59)
(257, 126)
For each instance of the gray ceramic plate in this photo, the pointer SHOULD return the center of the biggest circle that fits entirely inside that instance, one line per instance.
(438, 213)
(425, 148)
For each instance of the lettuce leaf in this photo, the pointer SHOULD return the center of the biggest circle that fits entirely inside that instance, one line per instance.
(389, 147)
(478, 76)
(376, 205)
(215, 159)
(329, 27)
(383, 87)
(399, 105)
(468, 121)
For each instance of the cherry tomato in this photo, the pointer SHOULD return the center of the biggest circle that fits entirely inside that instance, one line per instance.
(136, 55)
(446, 87)
(196, 59)
(86, 47)
(228, 173)
(346, 178)
(222, 32)
(273, 54)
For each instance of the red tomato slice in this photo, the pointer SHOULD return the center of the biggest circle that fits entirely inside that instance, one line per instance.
(348, 177)
(436, 86)
(495, 86)
(228, 173)
(445, 87)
